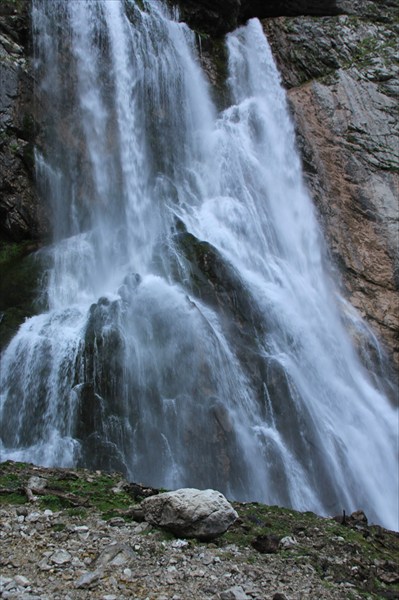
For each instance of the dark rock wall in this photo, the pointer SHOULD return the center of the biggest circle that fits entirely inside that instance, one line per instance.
(19, 211)
(217, 17)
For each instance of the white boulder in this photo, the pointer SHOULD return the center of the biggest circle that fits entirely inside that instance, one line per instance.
(203, 514)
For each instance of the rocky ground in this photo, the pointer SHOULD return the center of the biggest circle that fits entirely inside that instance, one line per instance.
(75, 537)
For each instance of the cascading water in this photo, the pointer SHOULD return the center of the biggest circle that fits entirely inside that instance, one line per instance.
(192, 335)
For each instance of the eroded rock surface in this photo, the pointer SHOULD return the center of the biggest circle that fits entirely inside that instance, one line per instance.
(343, 83)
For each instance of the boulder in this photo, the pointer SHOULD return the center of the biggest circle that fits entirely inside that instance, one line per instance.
(188, 512)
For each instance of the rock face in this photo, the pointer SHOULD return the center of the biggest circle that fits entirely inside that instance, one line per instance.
(343, 86)
(19, 210)
(203, 514)
(217, 17)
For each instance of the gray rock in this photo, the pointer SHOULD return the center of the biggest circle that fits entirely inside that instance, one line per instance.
(189, 512)
(60, 557)
(116, 555)
(37, 483)
(88, 579)
(21, 580)
(234, 593)
(288, 542)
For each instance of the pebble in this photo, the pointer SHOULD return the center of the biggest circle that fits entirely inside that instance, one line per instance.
(87, 579)
(234, 593)
(288, 542)
(21, 580)
(60, 557)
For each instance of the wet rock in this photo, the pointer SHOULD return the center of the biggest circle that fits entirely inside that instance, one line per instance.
(341, 79)
(189, 512)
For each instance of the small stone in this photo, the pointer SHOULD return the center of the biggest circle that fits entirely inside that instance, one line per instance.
(279, 596)
(37, 483)
(76, 562)
(142, 527)
(288, 542)
(119, 487)
(33, 517)
(81, 529)
(234, 593)
(88, 579)
(116, 555)
(179, 544)
(22, 581)
(60, 557)
(116, 522)
(5, 581)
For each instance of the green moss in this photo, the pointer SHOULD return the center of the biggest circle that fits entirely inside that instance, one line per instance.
(59, 526)
(12, 498)
(54, 503)
(12, 250)
(97, 491)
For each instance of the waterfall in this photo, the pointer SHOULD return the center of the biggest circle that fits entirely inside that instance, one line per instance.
(193, 336)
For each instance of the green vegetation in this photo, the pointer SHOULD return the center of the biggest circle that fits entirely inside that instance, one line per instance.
(77, 491)
(13, 250)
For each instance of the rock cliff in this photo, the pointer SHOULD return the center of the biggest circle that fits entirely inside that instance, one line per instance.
(342, 81)
(217, 17)
(19, 209)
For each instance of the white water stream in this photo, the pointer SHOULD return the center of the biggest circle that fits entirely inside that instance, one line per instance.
(193, 336)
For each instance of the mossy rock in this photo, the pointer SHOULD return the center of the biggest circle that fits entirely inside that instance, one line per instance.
(21, 271)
